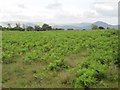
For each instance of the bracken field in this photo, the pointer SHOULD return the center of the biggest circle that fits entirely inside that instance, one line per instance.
(60, 59)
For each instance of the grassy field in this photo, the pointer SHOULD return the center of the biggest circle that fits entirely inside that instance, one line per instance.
(60, 59)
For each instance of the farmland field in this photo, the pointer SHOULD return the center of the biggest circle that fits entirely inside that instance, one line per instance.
(60, 59)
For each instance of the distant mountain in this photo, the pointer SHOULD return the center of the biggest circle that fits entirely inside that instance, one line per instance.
(30, 24)
(103, 24)
(100, 23)
(86, 25)
(78, 26)
(73, 26)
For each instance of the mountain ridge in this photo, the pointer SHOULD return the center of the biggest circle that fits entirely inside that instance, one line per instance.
(86, 25)
(80, 26)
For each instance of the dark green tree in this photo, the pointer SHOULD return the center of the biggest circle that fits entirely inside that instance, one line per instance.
(17, 27)
(94, 27)
(108, 27)
(46, 27)
(37, 28)
(70, 29)
(101, 27)
(1, 28)
(30, 28)
(24, 27)
(9, 26)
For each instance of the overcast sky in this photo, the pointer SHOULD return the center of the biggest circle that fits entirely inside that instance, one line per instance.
(59, 11)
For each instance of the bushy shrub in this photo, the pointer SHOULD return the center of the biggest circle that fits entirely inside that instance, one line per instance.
(90, 73)
(31, 57)
(7, 57)
(57, 65)
(85, 78)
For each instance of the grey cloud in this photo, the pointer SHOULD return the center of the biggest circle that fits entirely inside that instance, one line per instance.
(21, 6)
(55, 5)
(108, 9)
(110, 13)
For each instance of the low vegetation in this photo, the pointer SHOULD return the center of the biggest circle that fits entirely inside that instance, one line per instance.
(60, 59)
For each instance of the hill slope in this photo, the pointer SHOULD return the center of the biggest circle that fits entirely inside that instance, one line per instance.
(86, 25)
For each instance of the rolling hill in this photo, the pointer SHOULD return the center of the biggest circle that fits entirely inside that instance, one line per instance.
(86, 25)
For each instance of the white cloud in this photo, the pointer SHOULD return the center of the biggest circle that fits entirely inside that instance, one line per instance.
(58, 11)
(104, 11)
(54, 5)
(109, 9)
(21, 6)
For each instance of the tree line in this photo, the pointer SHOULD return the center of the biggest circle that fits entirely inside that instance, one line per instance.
(44, 27)
(19, 27)
(94, 27)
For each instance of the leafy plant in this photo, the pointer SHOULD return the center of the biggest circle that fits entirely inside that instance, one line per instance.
(57, 65)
